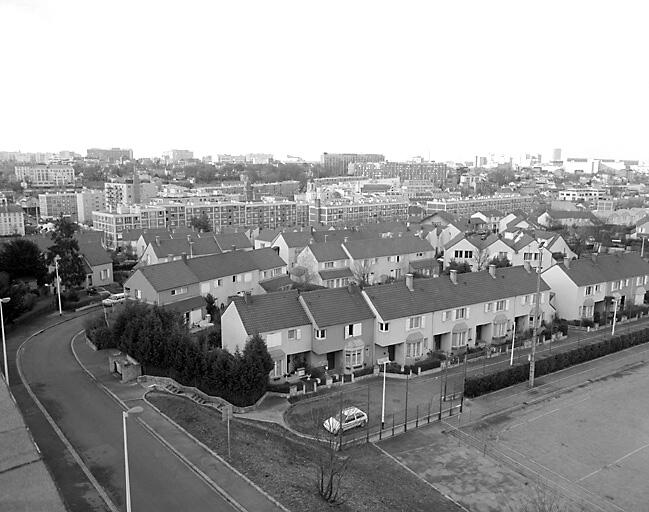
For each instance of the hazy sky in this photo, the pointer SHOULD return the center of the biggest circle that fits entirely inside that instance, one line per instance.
(449, 79)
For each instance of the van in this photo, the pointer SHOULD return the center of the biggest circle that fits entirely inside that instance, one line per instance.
(113, 299)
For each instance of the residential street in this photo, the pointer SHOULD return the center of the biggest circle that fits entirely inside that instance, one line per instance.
(92, 422)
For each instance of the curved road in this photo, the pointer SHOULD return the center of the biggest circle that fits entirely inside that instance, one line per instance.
(92, 422)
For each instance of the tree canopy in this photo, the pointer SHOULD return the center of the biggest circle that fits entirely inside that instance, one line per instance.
(22, 259)
(201, 223)
(66, 248)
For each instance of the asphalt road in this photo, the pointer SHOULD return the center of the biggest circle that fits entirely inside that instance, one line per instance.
(92, 422)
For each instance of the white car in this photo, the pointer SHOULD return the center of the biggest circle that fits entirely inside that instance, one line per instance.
(113, 299)
(351, 417)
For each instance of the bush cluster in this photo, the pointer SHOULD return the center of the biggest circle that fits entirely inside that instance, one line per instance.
(364, 371)
(480, 385)
(156, 337)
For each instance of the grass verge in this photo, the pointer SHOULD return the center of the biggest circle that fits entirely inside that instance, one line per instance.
(285, 466)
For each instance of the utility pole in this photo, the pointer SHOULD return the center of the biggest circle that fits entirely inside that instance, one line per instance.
(537, 314)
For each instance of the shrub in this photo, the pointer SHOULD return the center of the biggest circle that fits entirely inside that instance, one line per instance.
(477, 386)
(363, 371)
(70, 296)
(587, 322)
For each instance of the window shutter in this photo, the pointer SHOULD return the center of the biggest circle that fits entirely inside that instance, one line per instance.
(486, 308)
(298, 334)
(467, 313)
(358, 329)
(507, 305)
(423, 321)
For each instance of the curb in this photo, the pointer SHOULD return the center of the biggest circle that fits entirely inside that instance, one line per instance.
(217, 456)
(75, 455)
(152, 431)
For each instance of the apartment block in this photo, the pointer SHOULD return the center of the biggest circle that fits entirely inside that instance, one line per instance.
(45, 175)
(468, 205)
(56, 204)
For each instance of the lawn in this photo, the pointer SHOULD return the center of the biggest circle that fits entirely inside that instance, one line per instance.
(285, 466)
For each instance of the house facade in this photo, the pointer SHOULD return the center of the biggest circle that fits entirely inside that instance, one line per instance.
(591, 287)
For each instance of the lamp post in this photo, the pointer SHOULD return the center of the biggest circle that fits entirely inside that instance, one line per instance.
(537, 314)
(58, 281)
(383, 361)
(4, 300)
(511, 359)
(615, 301)
(134, 411)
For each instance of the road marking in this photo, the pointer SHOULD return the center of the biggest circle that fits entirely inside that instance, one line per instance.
(606, 466)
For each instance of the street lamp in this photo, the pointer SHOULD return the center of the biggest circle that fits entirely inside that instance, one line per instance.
(537, 313)
(58, 281)
(615, 302)
(383, 361)
(4, 300)
(134, 411)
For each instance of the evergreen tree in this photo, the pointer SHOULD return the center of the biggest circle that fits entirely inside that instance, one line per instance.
(66, 249)
(23, 259)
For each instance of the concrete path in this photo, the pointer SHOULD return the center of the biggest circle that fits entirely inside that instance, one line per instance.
(237, 489)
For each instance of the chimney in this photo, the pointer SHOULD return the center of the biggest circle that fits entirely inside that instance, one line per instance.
(526, 265)
(346, 239)
(170, 257)
(234, 248)
(453, 276)
(184, 256)
(410, 282)
(191, 249)
(157, 240)
(492, 271)
(566, 262)
(247, 297)
(325, 238)
(351, 287)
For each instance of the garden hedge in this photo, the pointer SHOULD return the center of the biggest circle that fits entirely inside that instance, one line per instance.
(477, 386)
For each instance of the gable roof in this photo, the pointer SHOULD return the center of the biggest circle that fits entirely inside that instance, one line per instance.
(520, 242)
(230, 263)
(176, 246)
(95, 254)
(605, 267)
(327, 251)
(334, 273)
(268, 235)
(377, 247)
(166, 276)
(296, 238)
(570, 214)
(336, 306)
(439, 293)
(272, 312)
(225, 241)
(276, 283)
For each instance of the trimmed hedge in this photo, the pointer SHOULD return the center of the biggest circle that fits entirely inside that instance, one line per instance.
(364, 371)
(480, 385)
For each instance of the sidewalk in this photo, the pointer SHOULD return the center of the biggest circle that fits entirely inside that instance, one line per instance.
(237, 490)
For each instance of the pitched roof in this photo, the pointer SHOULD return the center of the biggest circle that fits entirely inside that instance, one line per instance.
(265, 258)
(95, 254)
(424, 263)
(230, 263)
(570, 214)
(165, 276)
(296, 238)
(189, 304)
(176, 246)
(225, 241)
(438, 294)
(275, 284)
(377, 247)
(328, 251)
(268, 235)
(10, 208)
(272, 312)
(521, 242)
(335, 273)
(605, 267)
(336, 306)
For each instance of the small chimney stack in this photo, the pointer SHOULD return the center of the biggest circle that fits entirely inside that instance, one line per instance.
(453, 276)
(410, 282)
(492, 271)
(234, 248)
(566, 262)
(346, 239)
(157, 240)
(184, 256)
(247, 297)
(189, 238)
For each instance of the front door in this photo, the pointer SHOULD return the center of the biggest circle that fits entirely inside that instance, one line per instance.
(331, 360)
(438, 341)
(391, 352)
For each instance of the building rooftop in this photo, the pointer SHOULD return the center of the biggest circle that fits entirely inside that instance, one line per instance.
(336, 306)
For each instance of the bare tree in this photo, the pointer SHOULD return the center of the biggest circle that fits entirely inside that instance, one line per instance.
(331, 466)
(541, 498)
(480, 259)
(362, 272)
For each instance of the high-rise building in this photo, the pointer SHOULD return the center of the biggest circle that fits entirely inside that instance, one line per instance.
(174, 156)
(45, 176)
(556, 155)
(89, 201)
(434, 172)
(112, 155)
(339, 162)
(128, 191)
(12, 220)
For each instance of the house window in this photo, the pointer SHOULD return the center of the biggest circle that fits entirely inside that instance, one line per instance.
(416, 349)
(247, 277)
(627, 282)
(103, 274)
(638, 280)
(179, 291)
(460, 313)
(234, 279)
(458, 339)
(320, 334)
(527, 256)
(458, 254)
(589, 290)
(138, 294)
(353, 357)
(596, 288)
(277, 370)
(384, 326)
(352, 330)
(294, 334)
(218, 282)
(329, 264)
(488, 307)
(500, 330)
(420, 254)
(468, 254)
(415, 322)
(501, 305)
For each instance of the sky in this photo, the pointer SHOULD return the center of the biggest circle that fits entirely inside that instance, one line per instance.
(445, 80)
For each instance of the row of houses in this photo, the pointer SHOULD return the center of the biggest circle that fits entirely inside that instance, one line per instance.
(350, 328)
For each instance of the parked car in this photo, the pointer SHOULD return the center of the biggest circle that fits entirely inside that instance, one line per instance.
(113, 299)
(351, 417)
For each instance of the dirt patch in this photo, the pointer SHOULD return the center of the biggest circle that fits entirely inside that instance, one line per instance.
(285, 466)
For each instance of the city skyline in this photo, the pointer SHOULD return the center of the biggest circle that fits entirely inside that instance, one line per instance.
(440, 80)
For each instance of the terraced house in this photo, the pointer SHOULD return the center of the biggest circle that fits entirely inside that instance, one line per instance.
(449, 313)
(588, 287)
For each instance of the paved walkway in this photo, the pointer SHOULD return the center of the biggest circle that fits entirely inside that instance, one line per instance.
(238, 490)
